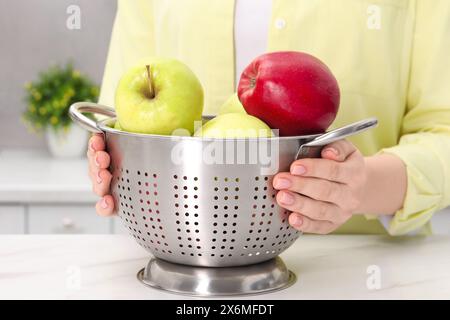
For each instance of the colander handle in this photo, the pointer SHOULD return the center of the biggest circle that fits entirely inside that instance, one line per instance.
(76, 114)
(313, 148)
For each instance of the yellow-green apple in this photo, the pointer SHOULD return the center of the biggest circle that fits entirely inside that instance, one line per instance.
(159, 96)
(234, 125)
(290, 91)
(232, 105)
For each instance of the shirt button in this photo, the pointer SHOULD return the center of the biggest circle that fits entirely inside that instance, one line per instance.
(280, 23)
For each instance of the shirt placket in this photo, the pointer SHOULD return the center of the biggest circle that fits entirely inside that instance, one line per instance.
(220, 54)
(279, 26)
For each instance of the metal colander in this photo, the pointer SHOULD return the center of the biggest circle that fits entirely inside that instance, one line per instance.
(196, 213)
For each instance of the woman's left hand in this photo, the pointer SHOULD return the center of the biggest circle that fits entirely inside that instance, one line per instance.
(323, 193)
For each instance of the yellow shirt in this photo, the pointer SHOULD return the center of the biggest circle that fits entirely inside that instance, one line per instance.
(391, 58)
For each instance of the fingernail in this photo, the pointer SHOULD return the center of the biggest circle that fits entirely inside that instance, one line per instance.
(282, 183)
(91, 146)
(104, 204)
(298, 170)
(99, 179)
(96, 161)
(332, 150)
(286, 198)
(296, 220)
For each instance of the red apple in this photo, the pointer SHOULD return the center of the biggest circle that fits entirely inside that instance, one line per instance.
(290, 91)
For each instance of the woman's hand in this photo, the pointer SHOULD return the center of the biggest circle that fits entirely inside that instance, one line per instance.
(323, 193)
(99, 174)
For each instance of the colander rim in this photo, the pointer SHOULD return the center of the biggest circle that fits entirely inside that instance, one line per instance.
(103, 125)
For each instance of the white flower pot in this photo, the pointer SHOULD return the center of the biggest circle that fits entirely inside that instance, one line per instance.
(67, 143)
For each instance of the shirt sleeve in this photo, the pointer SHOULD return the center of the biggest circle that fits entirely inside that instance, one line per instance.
(424, 145)
(132, 40)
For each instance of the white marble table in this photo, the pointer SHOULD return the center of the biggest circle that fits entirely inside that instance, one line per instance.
(328, 267)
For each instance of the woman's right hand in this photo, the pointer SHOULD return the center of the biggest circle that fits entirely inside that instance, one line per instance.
(100, 176)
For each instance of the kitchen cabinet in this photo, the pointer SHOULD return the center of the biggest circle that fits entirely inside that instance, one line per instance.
(60, 219)
(441, 222)
(12, 219)
(118, 227)
(41, 194)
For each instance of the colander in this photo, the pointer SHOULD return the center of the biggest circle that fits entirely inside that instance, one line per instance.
(203, 202)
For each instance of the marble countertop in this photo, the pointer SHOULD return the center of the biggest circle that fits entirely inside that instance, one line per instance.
(328, 267)
(33, 176)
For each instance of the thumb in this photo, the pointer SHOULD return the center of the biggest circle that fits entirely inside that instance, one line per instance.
(338, 150)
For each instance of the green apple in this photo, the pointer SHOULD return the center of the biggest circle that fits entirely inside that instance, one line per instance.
(117, 126)
(234, 125)
(159, 96)
(232, 105)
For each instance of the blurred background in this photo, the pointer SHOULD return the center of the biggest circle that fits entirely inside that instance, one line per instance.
(40, 191)
(40, 39)
(44, 187)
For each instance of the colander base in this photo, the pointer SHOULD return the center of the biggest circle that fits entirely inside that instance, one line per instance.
(260, 278)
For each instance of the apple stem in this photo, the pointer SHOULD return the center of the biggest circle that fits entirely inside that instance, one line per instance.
(150, 83)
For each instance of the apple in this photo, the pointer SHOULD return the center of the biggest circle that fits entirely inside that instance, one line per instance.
(234, 125)
(159, 96)
(117, 126)
(232, 105)
(290, 91)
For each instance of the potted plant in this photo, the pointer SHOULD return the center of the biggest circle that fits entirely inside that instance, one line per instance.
(48, 100)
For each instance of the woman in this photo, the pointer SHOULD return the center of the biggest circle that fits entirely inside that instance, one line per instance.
(390, 59)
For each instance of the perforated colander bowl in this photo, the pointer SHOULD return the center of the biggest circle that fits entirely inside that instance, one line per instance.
(184, 207)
